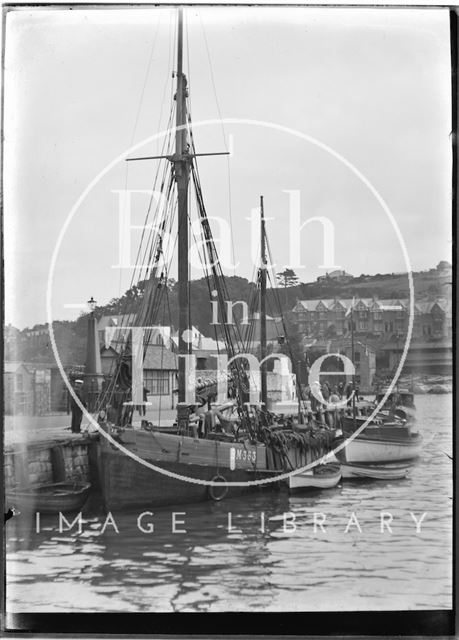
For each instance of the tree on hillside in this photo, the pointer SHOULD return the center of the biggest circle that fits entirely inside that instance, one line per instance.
(288, 278)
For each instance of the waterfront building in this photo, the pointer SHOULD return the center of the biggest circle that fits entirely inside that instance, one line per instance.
(434, 357)
(18, 389)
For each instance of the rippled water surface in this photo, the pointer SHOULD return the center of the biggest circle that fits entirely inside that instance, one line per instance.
(274, 562)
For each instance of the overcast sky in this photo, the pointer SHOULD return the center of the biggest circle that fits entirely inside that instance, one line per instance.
(83, 86)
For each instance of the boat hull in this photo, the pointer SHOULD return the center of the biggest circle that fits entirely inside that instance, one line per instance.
(376, 472)
(367, 449)
(323, 477)
(53, 498)
(126, 483)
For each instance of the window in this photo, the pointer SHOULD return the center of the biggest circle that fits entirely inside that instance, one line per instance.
(157, 382)
(357, 356)
(19, 382)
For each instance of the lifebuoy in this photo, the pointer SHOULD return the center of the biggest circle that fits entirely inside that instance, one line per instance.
(213, 491)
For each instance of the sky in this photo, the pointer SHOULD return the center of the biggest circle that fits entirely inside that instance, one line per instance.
(327, 113)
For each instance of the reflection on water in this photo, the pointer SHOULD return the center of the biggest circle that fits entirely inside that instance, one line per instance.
(257, 553)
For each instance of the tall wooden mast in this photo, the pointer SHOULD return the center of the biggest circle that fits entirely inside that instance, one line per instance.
(353, 360)
(182, 161)
(263, 354)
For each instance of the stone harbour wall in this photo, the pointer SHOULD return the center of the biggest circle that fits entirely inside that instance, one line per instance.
(76, 462)
(42, 463)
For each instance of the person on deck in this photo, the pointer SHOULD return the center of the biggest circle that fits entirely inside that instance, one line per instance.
(142, 408)
(325, 391)
(333, 408)
(316, 396)
(77, 412)
(349, 390)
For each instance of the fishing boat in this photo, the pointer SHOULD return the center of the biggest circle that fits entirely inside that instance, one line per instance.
(323, 476)
(399, 403)
(380, 441)
(50, 498)
(375, 471)
(202, 453)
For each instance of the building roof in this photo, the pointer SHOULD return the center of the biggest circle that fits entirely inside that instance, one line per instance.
(14, 367)
(125, 320)
(202, 342)
(330, 303)
(337, 273)
(158, 357)
(388, 304)
(427, 306)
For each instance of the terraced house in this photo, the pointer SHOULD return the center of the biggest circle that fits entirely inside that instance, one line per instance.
(332, 317)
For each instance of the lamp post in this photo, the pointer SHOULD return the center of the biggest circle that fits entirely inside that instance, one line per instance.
(93, 367)
(92, 304)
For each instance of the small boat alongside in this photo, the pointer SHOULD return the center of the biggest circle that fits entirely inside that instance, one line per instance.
(324, 476)
(375, 471)
(51, 498)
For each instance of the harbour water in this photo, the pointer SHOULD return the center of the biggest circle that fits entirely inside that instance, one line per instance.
(376, 551)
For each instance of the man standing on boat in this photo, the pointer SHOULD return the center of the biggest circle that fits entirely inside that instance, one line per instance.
(77, 413)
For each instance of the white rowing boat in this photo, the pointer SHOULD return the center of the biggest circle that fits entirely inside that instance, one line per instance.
(376, 471)
(324, 476)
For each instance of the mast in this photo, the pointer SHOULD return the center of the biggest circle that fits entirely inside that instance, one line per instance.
(264, 389)
(182, 173)
(353, 360)
(181, 161)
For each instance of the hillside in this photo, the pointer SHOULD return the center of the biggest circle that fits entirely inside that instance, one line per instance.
(426, 284)
(71, 336)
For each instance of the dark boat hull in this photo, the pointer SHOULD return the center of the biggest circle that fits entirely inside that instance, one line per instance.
(53, 498)
(127, 483)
